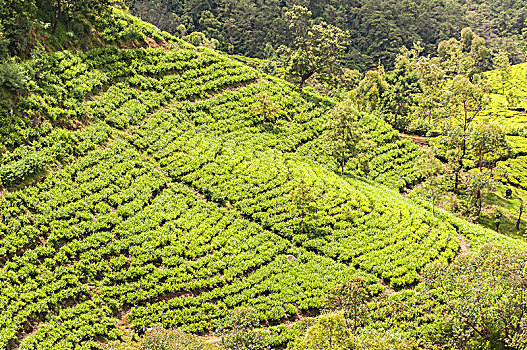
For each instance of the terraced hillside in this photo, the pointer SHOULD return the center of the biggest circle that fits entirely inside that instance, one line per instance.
(155, 190)
(512, 114)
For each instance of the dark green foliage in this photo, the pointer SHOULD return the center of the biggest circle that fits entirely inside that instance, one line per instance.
(378, 28)
(398, 98)
(17, 19)
(28, 165)
(316, 49)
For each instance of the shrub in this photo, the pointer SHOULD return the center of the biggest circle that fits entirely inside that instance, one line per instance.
(329, 333)
(240, 331)
(173, 339)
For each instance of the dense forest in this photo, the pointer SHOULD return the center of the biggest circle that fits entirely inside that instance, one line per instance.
(377, 29)
(301, 175)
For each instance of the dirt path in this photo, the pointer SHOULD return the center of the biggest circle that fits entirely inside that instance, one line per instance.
(463, 245)
(419, 140)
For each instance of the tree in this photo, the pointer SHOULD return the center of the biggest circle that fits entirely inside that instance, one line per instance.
(479, 186)
(265, 108)
(431, 169)
(503, 66)
(403, 85)
(351, 297)
(483, 297)
(466, 100)
(343, 136)
(497, 219)
(520, 212)
(454, 140)
(432, 80)
(367, 96)
(466, 57)
(488, 144)
(329, 333)
(304, 202)
(316, 48)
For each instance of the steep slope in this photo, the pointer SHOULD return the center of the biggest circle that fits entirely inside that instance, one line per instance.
(508, 107)
(175, 202)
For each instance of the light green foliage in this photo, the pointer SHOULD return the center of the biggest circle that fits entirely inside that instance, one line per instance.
(240, 331)
(516, 174)
(139, 222)
(517, 144)
(199, 39)
(350, 297)
(172, 339)
(508, 102)
(176, 202)
(488, 144)
(266, 109)
(483, 297)
(343, 136)
(368, 94)
(503, 66)
(329, 333)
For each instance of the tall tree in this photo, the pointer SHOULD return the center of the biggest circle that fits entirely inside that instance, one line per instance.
(488, 144)
(432, 170)
(304, 203)
(316, 47)
(466, 101)
(403, 85)
(352, 298)
(479, 186)
(368, 95)
(344, 137)
(503, 66)
(432, 79)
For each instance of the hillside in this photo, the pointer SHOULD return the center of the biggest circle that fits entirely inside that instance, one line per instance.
(146, 186)
(509, 108)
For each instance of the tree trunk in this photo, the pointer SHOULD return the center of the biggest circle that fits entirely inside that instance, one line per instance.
(479, 203)
(301, 86)
(57, 15)
(519, 215)
(460, 162)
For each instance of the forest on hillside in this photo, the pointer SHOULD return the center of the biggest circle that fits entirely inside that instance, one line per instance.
(377, 28)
